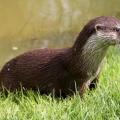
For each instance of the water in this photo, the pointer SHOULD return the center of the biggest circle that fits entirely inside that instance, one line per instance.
(26, 25)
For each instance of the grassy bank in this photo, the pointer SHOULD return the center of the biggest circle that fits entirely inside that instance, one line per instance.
(101, 104)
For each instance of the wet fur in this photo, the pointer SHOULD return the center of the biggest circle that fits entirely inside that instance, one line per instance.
(62, 71)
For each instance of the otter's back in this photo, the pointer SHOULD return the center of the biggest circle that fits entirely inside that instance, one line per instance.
(41, 68)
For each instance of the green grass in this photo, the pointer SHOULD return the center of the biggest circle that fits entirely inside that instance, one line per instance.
(101, 104)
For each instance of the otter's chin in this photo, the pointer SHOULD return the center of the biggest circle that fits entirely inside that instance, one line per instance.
(115, 42)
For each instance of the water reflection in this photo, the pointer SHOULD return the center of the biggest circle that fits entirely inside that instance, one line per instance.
(46, 23)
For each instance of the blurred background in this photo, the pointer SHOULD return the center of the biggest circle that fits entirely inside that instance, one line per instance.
(29, 24)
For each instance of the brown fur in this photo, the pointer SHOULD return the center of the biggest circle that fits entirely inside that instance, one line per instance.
(51, 69)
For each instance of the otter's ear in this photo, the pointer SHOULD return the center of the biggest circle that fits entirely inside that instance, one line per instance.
(99, 27)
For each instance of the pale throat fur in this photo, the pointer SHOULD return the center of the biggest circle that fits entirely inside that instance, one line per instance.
(93, 52)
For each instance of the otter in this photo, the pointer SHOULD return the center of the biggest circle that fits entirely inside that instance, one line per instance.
(64, 71)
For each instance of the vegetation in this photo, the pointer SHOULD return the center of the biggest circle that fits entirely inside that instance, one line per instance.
(101, 104)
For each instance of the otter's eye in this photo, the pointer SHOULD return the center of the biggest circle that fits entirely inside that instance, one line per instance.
(100, 27)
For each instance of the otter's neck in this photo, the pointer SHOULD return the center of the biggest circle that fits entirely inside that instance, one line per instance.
(89, 55)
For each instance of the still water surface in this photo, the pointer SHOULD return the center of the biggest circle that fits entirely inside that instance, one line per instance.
(29, 24)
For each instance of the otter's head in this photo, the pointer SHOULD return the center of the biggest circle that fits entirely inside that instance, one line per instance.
(100, 31)
(107, 29)
(93, 41)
